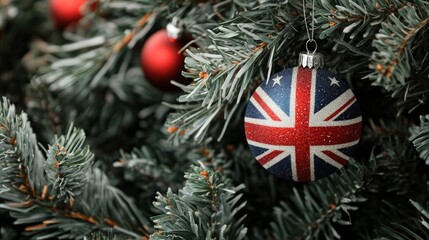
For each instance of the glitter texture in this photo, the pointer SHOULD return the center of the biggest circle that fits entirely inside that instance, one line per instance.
(304, 124)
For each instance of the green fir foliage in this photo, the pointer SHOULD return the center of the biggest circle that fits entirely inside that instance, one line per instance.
(407, 230)
(67, 165)
(157, 169)
(391, 60)
(393, 159)
(354, 22)
(311, 212)
(224, 72)
(207, 207)
(108, 142)
(61, 196)
(420, 138)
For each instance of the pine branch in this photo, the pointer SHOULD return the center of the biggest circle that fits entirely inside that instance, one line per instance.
(145, 163)
(67, 165)
(420, 138)
(355, 20)
(61, 196)
(413, 94)
(263, 190)
(311, 213)
(102, 236)
(224, 73)
(418, 230)
(100, 207)
(393, 160)
(424, 212)
(153, 168)
(21, 160)
(391, 61)
(396, 175)
(97, 73)
(206, 208)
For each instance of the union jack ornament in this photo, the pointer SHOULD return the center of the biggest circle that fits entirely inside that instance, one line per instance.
(304, 124)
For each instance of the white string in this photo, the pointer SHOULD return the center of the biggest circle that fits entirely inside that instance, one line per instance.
(312, 22)
(310, 37)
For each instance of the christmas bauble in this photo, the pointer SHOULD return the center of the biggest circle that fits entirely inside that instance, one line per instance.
(303, 125)
(161, 61)
(65, 12)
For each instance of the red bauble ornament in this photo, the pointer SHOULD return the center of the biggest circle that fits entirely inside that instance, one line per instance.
(65, 12)
(161, 61)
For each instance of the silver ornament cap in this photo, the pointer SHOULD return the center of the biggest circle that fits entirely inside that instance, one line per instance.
(311, 60)
(175, 29)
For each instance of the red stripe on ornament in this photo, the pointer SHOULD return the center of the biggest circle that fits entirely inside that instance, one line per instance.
(270, 156)
(266, 108)
(352, 100)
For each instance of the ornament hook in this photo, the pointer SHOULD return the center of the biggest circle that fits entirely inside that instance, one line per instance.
(311, 41)
(310, 59)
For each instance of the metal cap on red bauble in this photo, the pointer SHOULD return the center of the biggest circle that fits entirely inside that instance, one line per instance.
(161, 59)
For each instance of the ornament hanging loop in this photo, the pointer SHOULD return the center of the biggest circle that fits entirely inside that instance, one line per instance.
(315, 45)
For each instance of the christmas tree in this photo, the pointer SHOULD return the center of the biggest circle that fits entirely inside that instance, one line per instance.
(100, 140)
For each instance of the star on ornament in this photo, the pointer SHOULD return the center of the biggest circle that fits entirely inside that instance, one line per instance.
(277, 80)
(334, 81)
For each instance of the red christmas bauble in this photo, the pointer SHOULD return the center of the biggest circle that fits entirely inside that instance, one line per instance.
(65, 12)
(161, 61)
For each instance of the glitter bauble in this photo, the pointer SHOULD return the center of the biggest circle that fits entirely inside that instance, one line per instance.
(304, 124)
